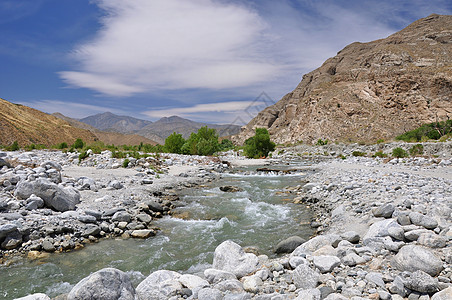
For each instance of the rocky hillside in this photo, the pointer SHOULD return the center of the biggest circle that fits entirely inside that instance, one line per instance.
(369, 91)
(111, 122)
(30, 126)
(107, 137)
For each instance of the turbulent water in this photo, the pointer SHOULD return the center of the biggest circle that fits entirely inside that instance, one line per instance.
(259, 215)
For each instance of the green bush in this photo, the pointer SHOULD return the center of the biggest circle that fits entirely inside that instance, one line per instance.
(125, 163)
(358, 153)
(226, 145)
(380, 154)
(417, 149)
(174, 143)
(13, 147)
(204, 142)
(321, 142)
(259, 145)
(399, 152)
(82, 156)
(78, 144)
(432, 131)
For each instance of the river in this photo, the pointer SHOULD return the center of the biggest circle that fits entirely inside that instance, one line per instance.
(259, 215)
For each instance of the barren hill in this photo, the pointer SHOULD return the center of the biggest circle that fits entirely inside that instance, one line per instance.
(30, 126)
(111, 122)
(369, 91)
(108, 138)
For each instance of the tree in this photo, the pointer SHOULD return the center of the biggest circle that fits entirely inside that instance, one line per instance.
(259, 145)
(174, 143)
(226, 145)
(204, 142)
(78, 144)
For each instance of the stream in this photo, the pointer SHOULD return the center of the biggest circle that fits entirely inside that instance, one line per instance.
(259, 215)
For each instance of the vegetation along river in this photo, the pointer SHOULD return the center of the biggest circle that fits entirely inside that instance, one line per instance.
(259, 215)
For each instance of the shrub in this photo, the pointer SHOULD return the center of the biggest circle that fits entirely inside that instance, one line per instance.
(417, 149)
(259, 145)
(399, 152)
(341, 156)
(62, 145)
(82, 156)
(204, 142)
(226, 145)
(358, 153)
(380, 154)
(125, 163)
(13, 147)
(174, 143)
(380, 141)
(432, 131)
(321, 142)
(78, 144)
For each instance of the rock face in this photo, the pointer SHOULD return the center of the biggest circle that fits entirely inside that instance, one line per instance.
(369, 91)
(107, 283)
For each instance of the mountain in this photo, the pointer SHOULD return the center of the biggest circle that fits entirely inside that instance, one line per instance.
(166, 126)
(369, 91)
(111, 122)
(108, 138)
(30, 126)
(156, 131)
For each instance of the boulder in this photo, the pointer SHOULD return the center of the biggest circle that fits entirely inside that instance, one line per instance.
(209, 294)
(121, 216)
(326, 263)
(37, 296)
(385, 211)
(230, 189)
(380, 229)
(115, 184)
(252, 283)
(311, 294)
(320, 241)
(215, 276)
(193, 281)
(351, 236)
(445, 294)
(423, 220)
(305, 278)
(4, 163)
(289, 245)
(54, 196)
(161, 284)
(108, 283)
(230, 257)
(422, 282)
(6, 229)
(412, 258)
(142, 233)
(432, 240)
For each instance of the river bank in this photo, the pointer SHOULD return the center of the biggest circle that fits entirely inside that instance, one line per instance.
(383, 232)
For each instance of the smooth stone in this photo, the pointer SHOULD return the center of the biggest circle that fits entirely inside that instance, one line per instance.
(385, 211)
(445, 294)
(161, 284)
(375, 278)
(215, 276)
(209, 294)
(319, 241)
(304, 277)
(142, 233)
(412, 258)
(351, 236)
(326, 263)
(229, 256)
(251, 283)
(380, 229)
(310, 294)
(432, 240)
(193, 281)
(289, 245)
(423, 220)
(422, 282)
(121, 216)
(108, 283)
(230, 286)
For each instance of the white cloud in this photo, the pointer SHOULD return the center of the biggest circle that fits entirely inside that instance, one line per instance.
(223, 112)
(69, 109)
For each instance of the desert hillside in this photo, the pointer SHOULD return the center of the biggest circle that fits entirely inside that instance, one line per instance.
(369, 91)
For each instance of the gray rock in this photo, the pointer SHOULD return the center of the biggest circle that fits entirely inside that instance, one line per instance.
(230, 286)
(352, 259)
(215, 276)
(37, 296)
(423, 220)
(51, 165)
(91, 229)
(108, 283)
(142, 233)
(445, 294)
(351, 236)
(115, 184)
(145, 218)
(87, 219)
(121, 216)
(155, 206)
(193, 281)
(412, 258)
(398, 287)
(295, 261)
(385, 211)
(289, 245)
(4, 163)
(380, 229)
(7, 229)
(161, 284)
(326, 263)
(335, 296)
(403, 219)
(209, 294)
(375, 278)
(304, 277)
(422, 282)
(397, 233)
(320, 241)
(60, 199)
(239, 296)
(432, 240)
(230, 257)
(95, 213)
(311, 294)
(48, 246)
(252, 283)
(413, 235)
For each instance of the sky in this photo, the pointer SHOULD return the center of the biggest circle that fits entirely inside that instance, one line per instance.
(214, 61)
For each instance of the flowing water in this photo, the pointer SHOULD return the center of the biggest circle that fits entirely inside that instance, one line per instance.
(259, 215)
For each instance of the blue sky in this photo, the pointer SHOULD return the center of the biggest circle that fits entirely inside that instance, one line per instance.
(206, 60)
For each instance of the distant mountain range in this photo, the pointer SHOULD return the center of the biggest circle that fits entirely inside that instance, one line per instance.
(157, 131)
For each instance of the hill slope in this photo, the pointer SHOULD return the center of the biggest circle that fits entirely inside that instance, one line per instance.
(30, 126)
(369, 91)
(108, 138)
(111, 122)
